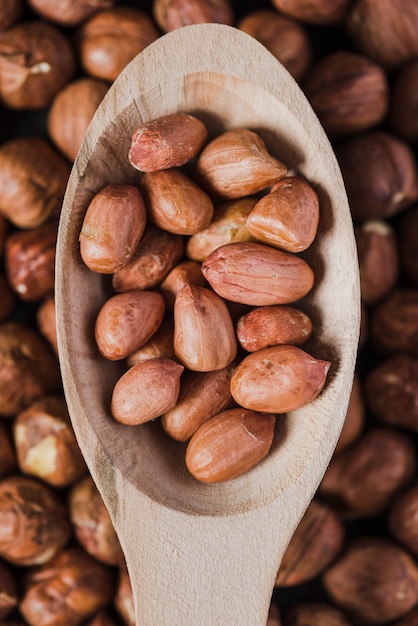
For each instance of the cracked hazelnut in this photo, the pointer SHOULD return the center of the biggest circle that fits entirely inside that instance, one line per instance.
(380, 174)
(68, 12)
(45, 442)
(348, 91)
(374, 581)
(33, 521)
(28, 367)
(172, 14)
(33, 179)
(284, 37)
(378, 255)
(71, 112)
(394, 322)
(36, 61)
(8, 591)
(92, 524)
(315, 614)
(317, 541)
(30, 261)
(362, 480)
(68, 589)
(111, 38)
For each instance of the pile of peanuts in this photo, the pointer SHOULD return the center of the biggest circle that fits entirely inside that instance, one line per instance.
(353, 559)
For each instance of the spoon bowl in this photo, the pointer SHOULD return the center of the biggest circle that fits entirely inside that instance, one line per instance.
(206, 554)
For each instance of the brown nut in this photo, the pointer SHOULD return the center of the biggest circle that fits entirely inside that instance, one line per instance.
(124, 601)
(394, 322)
(257, 275)
(71, 112)
(126, 321)
(46, 321)
(391, 391)
(10, 13)
(161, 344)
(267, 326)
(68, 12)
(371, 28)
(8, 462)
(45, 443)
(175, 203)
(202, 396)
(315, 614)
(36, 61)
(349, 92)
(380, 174)
(146, 391)
(284, 37)
(33, 521)
(33, 178)
(374, 581)
(287, 217)
(112, 228)
(317, 541)
(186, 272)
(66, 590)
(362, 480)
(408, 245)
(403, 111)
(7, 298)
(217, 170)
(355, 418)
(229, 225)
(166, 142)
(92, 524)
(378, 255)
(28, 368)
(111, 38)
(402, 517)
(204, 335)
(8, 591)
(278, 379)
(30, 261)
(229, 444)
(172, 14)
(325, 12)
(155, 256)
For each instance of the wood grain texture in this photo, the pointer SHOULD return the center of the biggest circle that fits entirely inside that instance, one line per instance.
(203, 554)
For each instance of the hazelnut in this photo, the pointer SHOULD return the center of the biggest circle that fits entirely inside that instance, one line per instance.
(403, 111)
(124, 602)
(71, 112)
(46, 320)
(68, 12)
(377, 249)
(374, 581)
(8, 591)
(30, 261)
(408, 245)
(362, 480)
(8, 462)
(33, 179)
(33, 521)
(348, 92)
(384, 30)
(391, 391)
(325, 12)
(355, 417)
(317, 541)
(10, 13)
(286, 39)
(111, 38)
(315, 614)
(172, 14)
(68, 589)
(45, 442)
(92, 524)
(394, 322)
(28, 368)
(36, 61)
(402, 519)
(380, 174)
(7, 298)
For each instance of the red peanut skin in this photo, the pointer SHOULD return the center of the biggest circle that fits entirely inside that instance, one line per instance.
(268, 326)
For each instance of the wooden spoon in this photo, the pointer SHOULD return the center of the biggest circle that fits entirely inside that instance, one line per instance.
(201, 554)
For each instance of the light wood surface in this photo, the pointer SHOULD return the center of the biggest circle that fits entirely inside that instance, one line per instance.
(202, 554)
